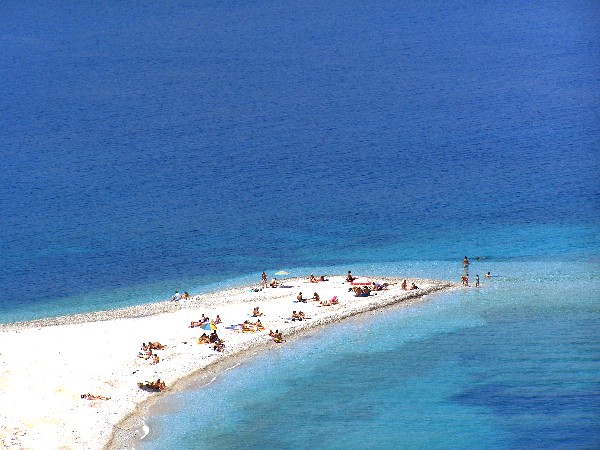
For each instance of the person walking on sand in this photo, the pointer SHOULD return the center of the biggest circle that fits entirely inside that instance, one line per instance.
(264, 280)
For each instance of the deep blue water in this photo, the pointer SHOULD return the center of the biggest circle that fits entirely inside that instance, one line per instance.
(147, 147)
(158, 143)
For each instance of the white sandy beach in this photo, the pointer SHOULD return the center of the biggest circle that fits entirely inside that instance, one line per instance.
(46, 365)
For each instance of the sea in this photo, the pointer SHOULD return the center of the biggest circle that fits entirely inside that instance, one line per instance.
(148, 147)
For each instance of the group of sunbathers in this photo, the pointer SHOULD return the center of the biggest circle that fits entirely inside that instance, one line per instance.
(314, 279)
(147, 351)
(404, 285)
(277, 336)
(157, 385)
(298, 316)
(177, 296)
(155, 346)
(213, 338)
(379, 286)
(251, 327)
(363, 291)
(373, 287)
(204, 320)
(314, 298)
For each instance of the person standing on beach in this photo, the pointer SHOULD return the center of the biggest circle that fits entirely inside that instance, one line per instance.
(264, 280)
(176, 297)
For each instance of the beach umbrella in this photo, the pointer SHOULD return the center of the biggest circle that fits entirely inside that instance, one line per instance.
(209, 326)
(282, 272)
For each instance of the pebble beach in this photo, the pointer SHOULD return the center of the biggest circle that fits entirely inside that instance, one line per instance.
(46, 365)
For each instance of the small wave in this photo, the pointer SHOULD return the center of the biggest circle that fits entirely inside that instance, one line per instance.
(233, 367)
(213, 379)
(144, 430)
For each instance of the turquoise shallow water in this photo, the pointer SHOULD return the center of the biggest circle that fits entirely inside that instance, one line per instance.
(514, 364)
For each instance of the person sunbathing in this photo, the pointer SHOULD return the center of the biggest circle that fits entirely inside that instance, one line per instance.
(94, 397)
(326, 303)
(413, 286)
(300, 298)
(203, 339)
(213, 337)
(313, 279)
(157, 346)
(349, 277)
(256, 312)
(274, 283)
(248, 326)
(366, 291)
(195, 324)
(379, 287)
(155, 359)
(219, 346)
(217, 320)
(296, 316)
(334, 300)
(316, 297)
(185, 296)
(301, 314)
(144, 349)
(277, 336)
(148, 354)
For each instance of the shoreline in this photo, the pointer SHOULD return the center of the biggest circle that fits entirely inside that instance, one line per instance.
(96, 353)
